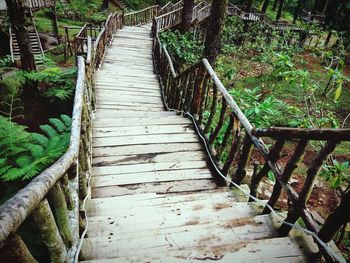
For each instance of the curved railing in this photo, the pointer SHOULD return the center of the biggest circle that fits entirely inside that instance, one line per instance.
(65, 183)
(141, 17)
(234, 145)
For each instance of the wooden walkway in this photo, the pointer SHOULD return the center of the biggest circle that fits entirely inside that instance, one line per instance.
(153, 195)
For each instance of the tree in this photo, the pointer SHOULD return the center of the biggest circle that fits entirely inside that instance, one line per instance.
(249, 5)
(274, 5)
(217, 20)
(105, 5)
(298, 10)
(18, 18)
(187, 15)
(280, 9)
(265, 6)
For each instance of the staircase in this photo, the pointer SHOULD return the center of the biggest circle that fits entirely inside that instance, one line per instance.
(154, 196)
(34, 40)
(119, 3)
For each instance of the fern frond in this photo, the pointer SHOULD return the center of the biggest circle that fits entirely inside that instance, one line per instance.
(58, 124)
(67, 120)
(51, 132)
(23, 161)
(39, 139)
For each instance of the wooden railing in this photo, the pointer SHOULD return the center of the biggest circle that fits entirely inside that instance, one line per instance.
(239, 10)
(169, 7)
(235, 145)
(313, 17)
(55, 198)
(141, 17)
(37, 4)
(89, 29)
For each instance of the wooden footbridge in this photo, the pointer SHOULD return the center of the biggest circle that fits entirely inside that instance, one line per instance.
(148, 179)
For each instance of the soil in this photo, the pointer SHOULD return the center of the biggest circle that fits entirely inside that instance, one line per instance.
(323, 199)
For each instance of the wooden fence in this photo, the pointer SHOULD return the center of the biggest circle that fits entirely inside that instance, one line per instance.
(234, 144)
(65, 183)
(141, 17)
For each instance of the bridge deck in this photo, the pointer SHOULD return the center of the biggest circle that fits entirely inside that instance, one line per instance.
(153, 195)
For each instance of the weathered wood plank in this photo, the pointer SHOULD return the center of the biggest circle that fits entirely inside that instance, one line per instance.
(117, 114)
(267, 250)
(142, 130)
(110, 122)
(178, 187)
(151, 177)
(148, 167)
(147, 149)
(144, 139)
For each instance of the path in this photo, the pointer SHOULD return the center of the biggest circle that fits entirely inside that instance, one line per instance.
(153, 195)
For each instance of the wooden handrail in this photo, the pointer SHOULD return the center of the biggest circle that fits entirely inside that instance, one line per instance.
(189, 91)
(14, 211)
(31, 200)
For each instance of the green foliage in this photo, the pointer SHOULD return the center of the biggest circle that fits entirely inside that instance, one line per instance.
(183, 48)
(5, 61)
(10, 93)
(25, 155)
(263, 111)
(337, 174)
(58, 83)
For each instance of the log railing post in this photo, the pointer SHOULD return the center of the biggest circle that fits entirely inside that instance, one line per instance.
(243, 159)
(46, 224)
(16, 251)
(59, 204)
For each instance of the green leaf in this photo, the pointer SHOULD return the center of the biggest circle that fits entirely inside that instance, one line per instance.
(338, 92)
(271, 176)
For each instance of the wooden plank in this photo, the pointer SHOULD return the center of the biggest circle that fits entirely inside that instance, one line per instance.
(144, 139)
(138, 107)
(101, 93)
(147, 149)
(147, 167)
(110, 122)
(117, 114)
(122, 98)
(150, 177)
(243, 228)
(177, 186)
(266, 250)
(148, 158)
(141, 130)
(122, 207)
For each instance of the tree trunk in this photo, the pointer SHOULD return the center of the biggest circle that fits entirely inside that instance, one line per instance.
(315, 6)
(105, 5)
(187, 15)
(274, 5)
(18, 20)
(265, 6)
(298, 10)
(53, 17)
(249, 5)
(217, 20)
(280, 9)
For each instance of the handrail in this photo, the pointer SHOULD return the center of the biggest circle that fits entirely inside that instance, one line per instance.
(188, 92)
(14, 211)
(58, 181)
(141, 17)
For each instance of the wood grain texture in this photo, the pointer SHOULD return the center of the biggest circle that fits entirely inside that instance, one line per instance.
(154, 198)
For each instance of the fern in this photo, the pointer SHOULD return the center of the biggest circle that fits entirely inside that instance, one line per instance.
(30, 153)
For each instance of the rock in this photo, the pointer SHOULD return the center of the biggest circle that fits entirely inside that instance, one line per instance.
(47, 40)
